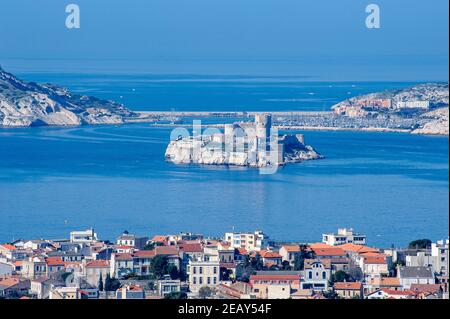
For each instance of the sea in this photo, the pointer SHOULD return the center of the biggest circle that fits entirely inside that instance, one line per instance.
(393, 187)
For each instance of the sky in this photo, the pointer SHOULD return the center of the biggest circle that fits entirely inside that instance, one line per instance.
(321, 39)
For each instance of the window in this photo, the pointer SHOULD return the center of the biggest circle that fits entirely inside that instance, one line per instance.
(194, 270)
(200, 280)
(194, 280)
(324, 275)
(310, 274)
(208, 280)
(200, 270)
(215, 270)
(215, 280)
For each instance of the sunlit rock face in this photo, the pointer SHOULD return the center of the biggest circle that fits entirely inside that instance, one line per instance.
(30, 104)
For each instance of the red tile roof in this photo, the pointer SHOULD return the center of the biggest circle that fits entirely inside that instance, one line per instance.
(124, 256)
(375, 260)
(145, 253)
(191, 248)
(386, 282)
(357, 248)
(242, 251)
(8, 246)
(319, 245)
(269, 254)
(347, 285)
(54, 261)
(429, 288)
(292, 249)
(328, 251)
(160, 239)
(9, 282)
(166, 250)
(97, 264)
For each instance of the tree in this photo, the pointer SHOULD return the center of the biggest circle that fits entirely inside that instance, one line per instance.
(151, 246)
(159, 266)
(257, 263)
(225, 273)
(100, 283)
(299, 261)
(285, 265)
(173, 272)
(330, 294)
(355, 272)
(420, 244)
(111, 284)
(340, 276)
(205, 292)
(176, 295)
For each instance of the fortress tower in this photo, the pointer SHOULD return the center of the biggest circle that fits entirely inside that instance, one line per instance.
(263, 124)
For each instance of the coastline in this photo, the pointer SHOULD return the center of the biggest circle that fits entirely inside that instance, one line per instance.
(152, 118)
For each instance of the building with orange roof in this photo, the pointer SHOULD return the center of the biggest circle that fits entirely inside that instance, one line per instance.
(54, 264)
(427, 291)
(275, 284)
(349, 290)
(94, 270)
(357, 249)
(289, 253)
(328, 253)
(270, 258)
(13, 285)
(391, 283)
(9, 251)
(159, 239)
(373, 265)
(318, 246)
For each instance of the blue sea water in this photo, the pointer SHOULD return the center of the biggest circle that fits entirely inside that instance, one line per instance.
(213, 92)
(391, 186)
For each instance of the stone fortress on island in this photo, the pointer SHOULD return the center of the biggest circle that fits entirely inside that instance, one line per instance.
(250, 144)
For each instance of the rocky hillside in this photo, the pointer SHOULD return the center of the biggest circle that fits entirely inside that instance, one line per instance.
(30, 104)
(438, 124)
(436, 94)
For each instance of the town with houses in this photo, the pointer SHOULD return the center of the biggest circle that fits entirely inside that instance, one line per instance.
(240, 265)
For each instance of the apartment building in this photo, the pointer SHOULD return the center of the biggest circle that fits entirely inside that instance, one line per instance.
(344, 236)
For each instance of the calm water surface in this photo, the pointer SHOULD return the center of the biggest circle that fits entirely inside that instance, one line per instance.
(393, 187)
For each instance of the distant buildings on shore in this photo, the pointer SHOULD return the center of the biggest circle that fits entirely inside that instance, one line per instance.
(241, 265)
(344, 236)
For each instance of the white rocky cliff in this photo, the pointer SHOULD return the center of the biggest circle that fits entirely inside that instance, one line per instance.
(30, 104)
(242, 144)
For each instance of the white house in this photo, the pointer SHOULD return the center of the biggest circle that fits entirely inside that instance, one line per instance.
(83, 236)
(344, 236)
(249, 241)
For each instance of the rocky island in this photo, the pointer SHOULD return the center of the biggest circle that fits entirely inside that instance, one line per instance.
(30, 104)
(242, 144)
